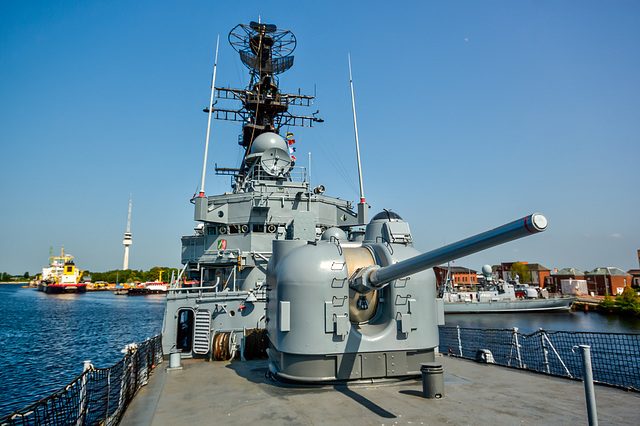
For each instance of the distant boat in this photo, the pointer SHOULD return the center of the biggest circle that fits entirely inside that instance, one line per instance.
(155, 287)
(500, 297)
(61, 276)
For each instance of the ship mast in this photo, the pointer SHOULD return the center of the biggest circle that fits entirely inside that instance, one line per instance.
(355, 128)
(363, 211)
(266, 51)
(206, 146)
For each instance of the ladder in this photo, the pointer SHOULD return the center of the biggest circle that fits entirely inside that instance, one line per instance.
(202, 332)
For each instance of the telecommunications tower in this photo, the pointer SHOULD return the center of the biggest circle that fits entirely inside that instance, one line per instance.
(127, 239)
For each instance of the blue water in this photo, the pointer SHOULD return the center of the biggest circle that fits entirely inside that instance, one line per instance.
(528, 323)
(45, 339)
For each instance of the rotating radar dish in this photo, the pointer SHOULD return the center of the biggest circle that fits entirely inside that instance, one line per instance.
(263, 47)
(276, 162)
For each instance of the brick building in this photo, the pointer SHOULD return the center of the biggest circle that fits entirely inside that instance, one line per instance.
(635, 277)
(610, 280)
(538, 272)
(459, 275)
(553, 282)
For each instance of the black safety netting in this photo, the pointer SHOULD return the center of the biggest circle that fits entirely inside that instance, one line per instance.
(97, 396)
(615, 357)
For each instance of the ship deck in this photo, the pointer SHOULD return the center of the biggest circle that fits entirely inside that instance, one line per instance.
(237, 393)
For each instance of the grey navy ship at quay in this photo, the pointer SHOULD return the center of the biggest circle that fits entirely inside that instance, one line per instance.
(499, 296)
(279, 268)
(343, 307)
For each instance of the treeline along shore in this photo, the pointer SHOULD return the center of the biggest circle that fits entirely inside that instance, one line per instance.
(626, 304)
(132, 275)
(116, 276)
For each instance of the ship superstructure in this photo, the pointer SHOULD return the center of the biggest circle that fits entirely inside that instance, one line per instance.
(276, 263)
(271, 199)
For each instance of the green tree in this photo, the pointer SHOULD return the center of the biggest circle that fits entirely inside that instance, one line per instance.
(628, 302)
(522, 271)
(26, 275)
(607, 303)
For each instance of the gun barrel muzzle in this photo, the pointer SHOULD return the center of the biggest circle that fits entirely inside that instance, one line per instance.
(528, 225)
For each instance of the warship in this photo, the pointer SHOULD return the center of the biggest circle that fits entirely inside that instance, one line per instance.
(277, 269)
(499, 296)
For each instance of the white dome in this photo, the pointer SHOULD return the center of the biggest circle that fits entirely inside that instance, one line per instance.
(266, 141)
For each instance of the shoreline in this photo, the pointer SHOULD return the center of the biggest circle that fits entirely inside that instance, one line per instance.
(592, 304)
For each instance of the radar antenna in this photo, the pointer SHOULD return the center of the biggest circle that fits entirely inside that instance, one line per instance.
(266, 51)
(264, 48)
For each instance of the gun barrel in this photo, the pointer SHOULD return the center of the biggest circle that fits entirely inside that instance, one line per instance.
(528, 225)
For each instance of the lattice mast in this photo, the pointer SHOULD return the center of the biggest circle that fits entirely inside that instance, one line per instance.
(266, 51)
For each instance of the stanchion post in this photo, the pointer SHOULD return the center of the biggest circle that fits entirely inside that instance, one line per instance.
(589, 390)
(83, 394)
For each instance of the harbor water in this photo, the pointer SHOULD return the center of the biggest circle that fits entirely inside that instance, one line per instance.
(530, 322)
(46, 338)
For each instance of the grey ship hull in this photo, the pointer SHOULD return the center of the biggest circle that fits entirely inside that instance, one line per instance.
(505, 306)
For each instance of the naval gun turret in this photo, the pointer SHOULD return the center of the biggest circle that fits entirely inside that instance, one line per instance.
(340, 310)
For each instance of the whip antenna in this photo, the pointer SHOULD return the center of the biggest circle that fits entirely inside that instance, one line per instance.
(355, 127)
(363, 210)
(206, 145)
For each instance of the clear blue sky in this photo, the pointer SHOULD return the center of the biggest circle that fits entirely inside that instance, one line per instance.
(471, 114)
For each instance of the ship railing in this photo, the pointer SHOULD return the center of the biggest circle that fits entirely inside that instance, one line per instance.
(259, 290)
(615, 356)
(176, 283)
(98, 396)
(296, 174)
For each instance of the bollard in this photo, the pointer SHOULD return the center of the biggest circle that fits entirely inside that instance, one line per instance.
(485, 356)
(432, 380)
(175, 360)
(588, 385)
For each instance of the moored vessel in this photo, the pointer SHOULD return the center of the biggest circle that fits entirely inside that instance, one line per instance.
(155, 287)
(61, 276)
(500, 297)
(507, 305)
